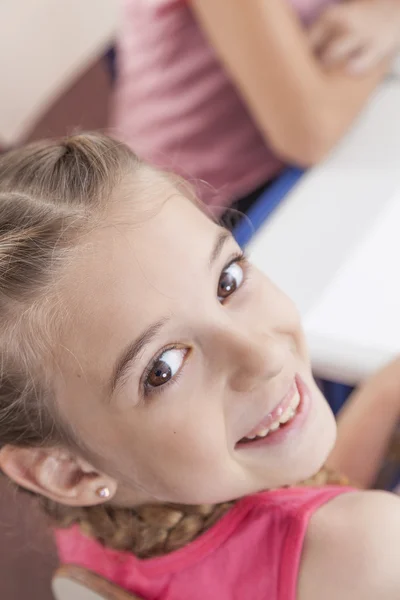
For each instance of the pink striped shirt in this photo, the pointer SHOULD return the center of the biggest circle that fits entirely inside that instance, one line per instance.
(177, 108)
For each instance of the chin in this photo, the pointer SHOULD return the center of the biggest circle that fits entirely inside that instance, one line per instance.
(312, 457)
(320, 450)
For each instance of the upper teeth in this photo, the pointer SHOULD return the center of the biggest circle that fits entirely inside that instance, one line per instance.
(285, 417)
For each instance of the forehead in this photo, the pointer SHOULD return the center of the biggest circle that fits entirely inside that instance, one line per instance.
(133, 271)
(146, 249)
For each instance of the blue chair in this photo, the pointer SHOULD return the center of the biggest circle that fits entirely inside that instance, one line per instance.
(265, 205)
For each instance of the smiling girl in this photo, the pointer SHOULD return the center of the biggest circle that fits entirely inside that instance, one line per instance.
(154, 386)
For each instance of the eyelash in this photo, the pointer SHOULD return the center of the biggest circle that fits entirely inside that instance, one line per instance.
(148, 391)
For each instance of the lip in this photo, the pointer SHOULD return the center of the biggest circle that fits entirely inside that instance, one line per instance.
(290, 428)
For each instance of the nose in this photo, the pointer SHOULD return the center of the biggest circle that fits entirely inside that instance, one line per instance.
(249, 357)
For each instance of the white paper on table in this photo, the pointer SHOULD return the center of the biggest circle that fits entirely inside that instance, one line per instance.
(361, 306)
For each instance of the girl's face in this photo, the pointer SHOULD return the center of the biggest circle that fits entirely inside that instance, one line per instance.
(181, 352)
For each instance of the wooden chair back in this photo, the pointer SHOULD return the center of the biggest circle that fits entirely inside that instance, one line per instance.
(76, 583)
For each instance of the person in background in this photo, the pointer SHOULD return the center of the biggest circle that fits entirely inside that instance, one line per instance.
(227, 93)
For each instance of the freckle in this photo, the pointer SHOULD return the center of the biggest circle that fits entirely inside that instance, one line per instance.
(79, 375)
(174, 432)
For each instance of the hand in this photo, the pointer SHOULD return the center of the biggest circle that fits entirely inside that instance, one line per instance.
(358, 33)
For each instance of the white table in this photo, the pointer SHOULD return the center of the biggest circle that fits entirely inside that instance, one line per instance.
(334, 246)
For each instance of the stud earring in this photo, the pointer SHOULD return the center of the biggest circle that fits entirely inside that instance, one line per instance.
(103, 492)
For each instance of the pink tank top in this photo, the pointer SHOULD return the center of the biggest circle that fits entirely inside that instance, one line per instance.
(253, 552)
(177, 108)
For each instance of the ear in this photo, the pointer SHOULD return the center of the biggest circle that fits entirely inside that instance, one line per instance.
(57, 474)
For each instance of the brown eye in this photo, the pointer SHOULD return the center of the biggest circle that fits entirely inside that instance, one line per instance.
(231, 278)
(161, 373)
(166, 367)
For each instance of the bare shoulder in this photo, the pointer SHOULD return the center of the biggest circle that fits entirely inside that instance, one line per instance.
(352, 549)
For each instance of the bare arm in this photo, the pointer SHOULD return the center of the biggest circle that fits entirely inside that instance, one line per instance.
(352, 549)
(365, 426)
(301, 109)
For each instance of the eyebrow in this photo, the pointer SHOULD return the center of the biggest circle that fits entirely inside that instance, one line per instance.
(130, 354)
(222, 238)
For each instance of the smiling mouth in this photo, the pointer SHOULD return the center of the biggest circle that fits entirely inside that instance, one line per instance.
(278, 419)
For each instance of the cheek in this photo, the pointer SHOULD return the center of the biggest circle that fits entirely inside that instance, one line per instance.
(172, 461)
(198, 433)
(173, 433)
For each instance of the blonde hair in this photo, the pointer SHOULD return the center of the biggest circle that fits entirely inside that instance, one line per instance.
(49, 193)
